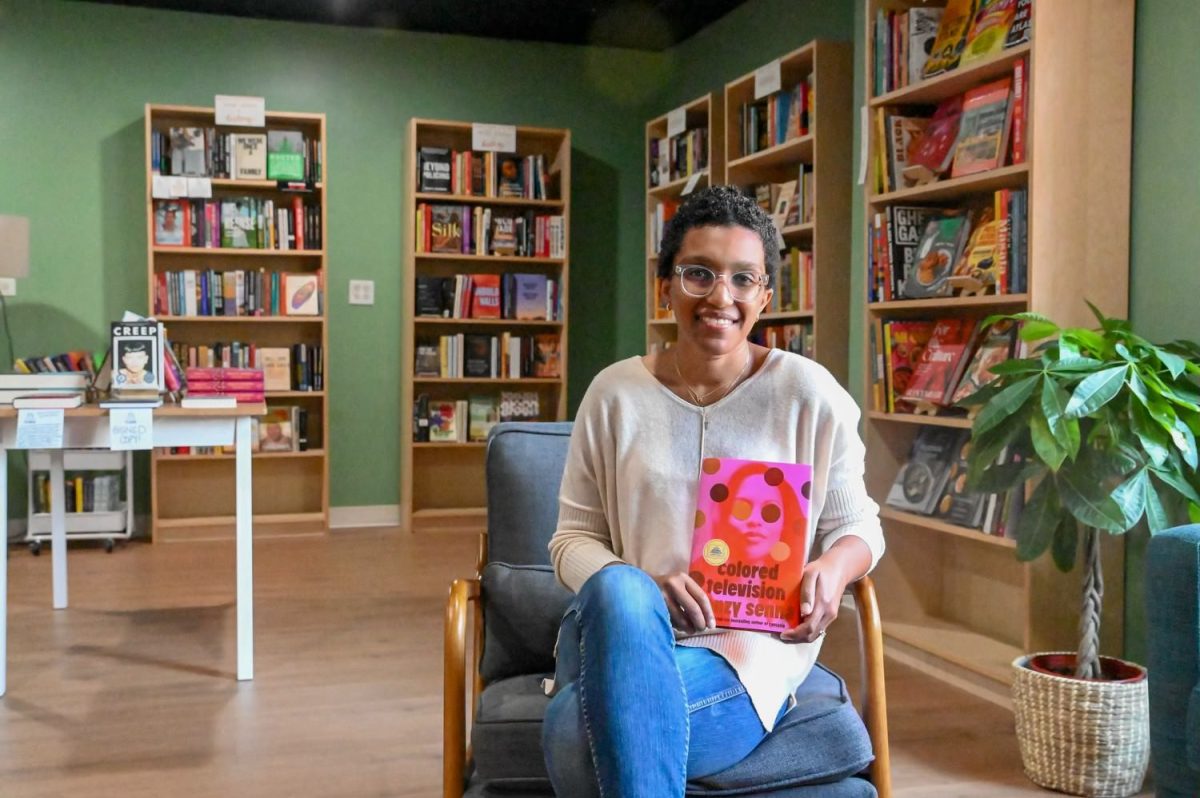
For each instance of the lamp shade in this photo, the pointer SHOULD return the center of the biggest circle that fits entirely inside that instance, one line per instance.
(14, 246)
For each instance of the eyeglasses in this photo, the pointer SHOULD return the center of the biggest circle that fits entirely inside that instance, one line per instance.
(700, 281)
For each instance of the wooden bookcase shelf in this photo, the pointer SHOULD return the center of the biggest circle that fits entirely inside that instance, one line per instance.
(291, 489)
(959, 597)
(442, 483)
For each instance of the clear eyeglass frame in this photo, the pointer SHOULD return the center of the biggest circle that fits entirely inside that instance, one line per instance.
(700, 281)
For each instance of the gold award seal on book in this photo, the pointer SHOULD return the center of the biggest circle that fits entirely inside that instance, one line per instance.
(716, 552)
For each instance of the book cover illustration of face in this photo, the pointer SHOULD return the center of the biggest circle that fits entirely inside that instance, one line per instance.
(750, 541)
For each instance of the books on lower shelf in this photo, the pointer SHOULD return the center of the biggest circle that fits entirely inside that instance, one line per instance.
(516, 296)
(282, 429)
(238, 292)
(84, 492)
(238, 223)
(484, 356)
(299, 367)
(471, 419)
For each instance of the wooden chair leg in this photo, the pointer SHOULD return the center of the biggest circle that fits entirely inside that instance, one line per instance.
(875, 708)
(454, 711)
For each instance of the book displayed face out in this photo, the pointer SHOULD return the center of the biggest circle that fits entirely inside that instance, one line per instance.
(750, 541)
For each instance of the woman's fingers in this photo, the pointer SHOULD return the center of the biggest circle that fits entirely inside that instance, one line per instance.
(702, 600)
(688, 606)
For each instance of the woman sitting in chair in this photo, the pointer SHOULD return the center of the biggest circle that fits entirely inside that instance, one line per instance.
(648, 693)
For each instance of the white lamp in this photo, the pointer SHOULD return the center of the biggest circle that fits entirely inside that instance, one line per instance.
(14, 262)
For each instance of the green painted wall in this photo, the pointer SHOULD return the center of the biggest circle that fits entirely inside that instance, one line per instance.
(77, 75)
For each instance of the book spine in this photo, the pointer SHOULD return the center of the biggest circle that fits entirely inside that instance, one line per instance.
(1018, 111)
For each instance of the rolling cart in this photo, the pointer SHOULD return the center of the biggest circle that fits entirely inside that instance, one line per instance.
(110, 514)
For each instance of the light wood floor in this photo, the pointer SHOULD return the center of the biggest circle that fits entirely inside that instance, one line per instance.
(131, 691)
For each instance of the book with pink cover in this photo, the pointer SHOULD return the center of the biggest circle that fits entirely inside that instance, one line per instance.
(751, 540)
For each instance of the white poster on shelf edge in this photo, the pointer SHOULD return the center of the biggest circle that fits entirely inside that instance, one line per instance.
(241, 111)
(767, 79)
(493, 138)
(677, 122)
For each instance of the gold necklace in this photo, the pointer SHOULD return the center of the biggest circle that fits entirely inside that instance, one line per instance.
(699, 400)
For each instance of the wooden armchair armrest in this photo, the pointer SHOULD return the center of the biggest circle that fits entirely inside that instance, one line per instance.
(870, 631)
(454, 710)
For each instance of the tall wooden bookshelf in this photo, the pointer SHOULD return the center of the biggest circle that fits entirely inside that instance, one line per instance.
(825, 149)
(954, 597)
(192, 495)
(704, 126)
(442, 483)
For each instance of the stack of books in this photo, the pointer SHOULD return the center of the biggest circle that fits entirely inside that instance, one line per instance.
(47, 389)
(240, 384)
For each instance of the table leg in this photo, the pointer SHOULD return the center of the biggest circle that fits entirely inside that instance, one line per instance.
(4, 571)
(245, 554)
(58, 529)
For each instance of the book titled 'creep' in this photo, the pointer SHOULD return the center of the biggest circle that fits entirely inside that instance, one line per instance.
(751, 541)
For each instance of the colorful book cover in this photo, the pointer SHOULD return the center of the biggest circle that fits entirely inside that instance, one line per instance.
(941, 243)
(238, 228)
(285, 155)
(942, 361)
(547, 360)
(137, 356)
(957, 504)
(951, 37)
(275, 431)
(300, 294)
(988, 30)
(446, 228)
(919, 482)
(188, 152)
(434, 168)
(923, 24)
(485, 296)
(442, 422)
(170, 223)
(906, 227)
(996, 347)
(750, 541)
(504, 237)
(509, 178)
(1018, 31)
(519, 406)
(983, 131)
(904, 341)
(933, 152)
(531, 296)
(483, 414)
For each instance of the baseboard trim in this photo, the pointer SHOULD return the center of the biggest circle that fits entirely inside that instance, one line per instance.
(364, 515)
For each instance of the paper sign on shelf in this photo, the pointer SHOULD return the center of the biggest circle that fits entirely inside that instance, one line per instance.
(863, 136)
(493, 138)
(130, 428)
(691, 183)
(199, 187)
(40, 428)
(177, 187)
(677, 121)
(241, 111)
(160, 187)
(767, 79)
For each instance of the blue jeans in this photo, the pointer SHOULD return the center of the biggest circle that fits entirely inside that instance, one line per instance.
(633, 714)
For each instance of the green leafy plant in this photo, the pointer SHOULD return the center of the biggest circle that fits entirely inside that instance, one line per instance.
(1103, 423)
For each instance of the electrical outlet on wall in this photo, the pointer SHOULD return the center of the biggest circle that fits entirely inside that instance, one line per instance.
(362, 292)
(8, 286)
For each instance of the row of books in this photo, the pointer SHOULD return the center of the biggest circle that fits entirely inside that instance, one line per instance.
(239, 292)
(482, 356)
(917, 252)
(522, 297)
(299, 367)
(678, 156)
(281, 429)
(795, 337)
(790, 202)
(286, 155)
(777, 118)
(466, 230)
(84, 492)
(933, 482)
(463, 420)
(977, 131)
(482, 174)
(237, 223)
(924, 41)
(934, 364)
(75, 360)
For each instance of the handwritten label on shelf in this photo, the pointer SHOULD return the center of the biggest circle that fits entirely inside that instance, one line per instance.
(767, 79)
(241, 111)
(160, 187)
(40, 428)
(130, 428)
(677, 121)
(199, 187)
(690, 186)
(177, 187)
(493, 138)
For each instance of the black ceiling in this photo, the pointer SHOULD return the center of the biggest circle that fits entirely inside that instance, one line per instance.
(638, 24)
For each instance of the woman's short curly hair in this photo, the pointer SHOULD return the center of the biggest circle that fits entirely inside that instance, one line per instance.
(718, 206)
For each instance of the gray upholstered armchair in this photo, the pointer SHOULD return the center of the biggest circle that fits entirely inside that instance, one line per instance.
(516, 605)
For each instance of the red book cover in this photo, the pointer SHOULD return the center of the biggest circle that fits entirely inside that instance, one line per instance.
(903, 343)
(200, 374)
(1018, 111)
(751, 541)
(297, 223)
(941, 364)
(485, 296)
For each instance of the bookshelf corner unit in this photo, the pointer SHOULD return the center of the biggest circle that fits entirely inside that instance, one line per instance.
(486, 278)
(252, 203)
(956, 595)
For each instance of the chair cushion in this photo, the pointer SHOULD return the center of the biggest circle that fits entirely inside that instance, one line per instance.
(525, 462)
(522, 608)
(817, 745)
(1173, 656)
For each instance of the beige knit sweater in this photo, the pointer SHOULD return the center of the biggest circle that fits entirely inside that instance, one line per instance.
(628, 490)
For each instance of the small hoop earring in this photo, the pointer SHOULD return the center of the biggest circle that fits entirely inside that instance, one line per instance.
(668, 306)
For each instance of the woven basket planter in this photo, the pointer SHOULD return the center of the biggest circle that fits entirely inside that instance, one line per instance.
(1082, 737)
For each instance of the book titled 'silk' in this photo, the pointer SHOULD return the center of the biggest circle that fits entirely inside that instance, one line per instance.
(750, 541)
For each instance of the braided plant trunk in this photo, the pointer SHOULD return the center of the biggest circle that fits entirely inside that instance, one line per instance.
(1087, 659)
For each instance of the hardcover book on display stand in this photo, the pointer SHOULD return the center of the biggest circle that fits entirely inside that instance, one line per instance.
(433, 166)
(250, 156)
(137, 357)
(750, 541)
(286, 151)
(920, 481)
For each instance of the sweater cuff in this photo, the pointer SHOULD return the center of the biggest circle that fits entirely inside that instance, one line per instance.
(583, 557)
(850, 511)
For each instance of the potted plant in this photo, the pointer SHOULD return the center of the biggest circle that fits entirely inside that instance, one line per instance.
(1102, 425)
